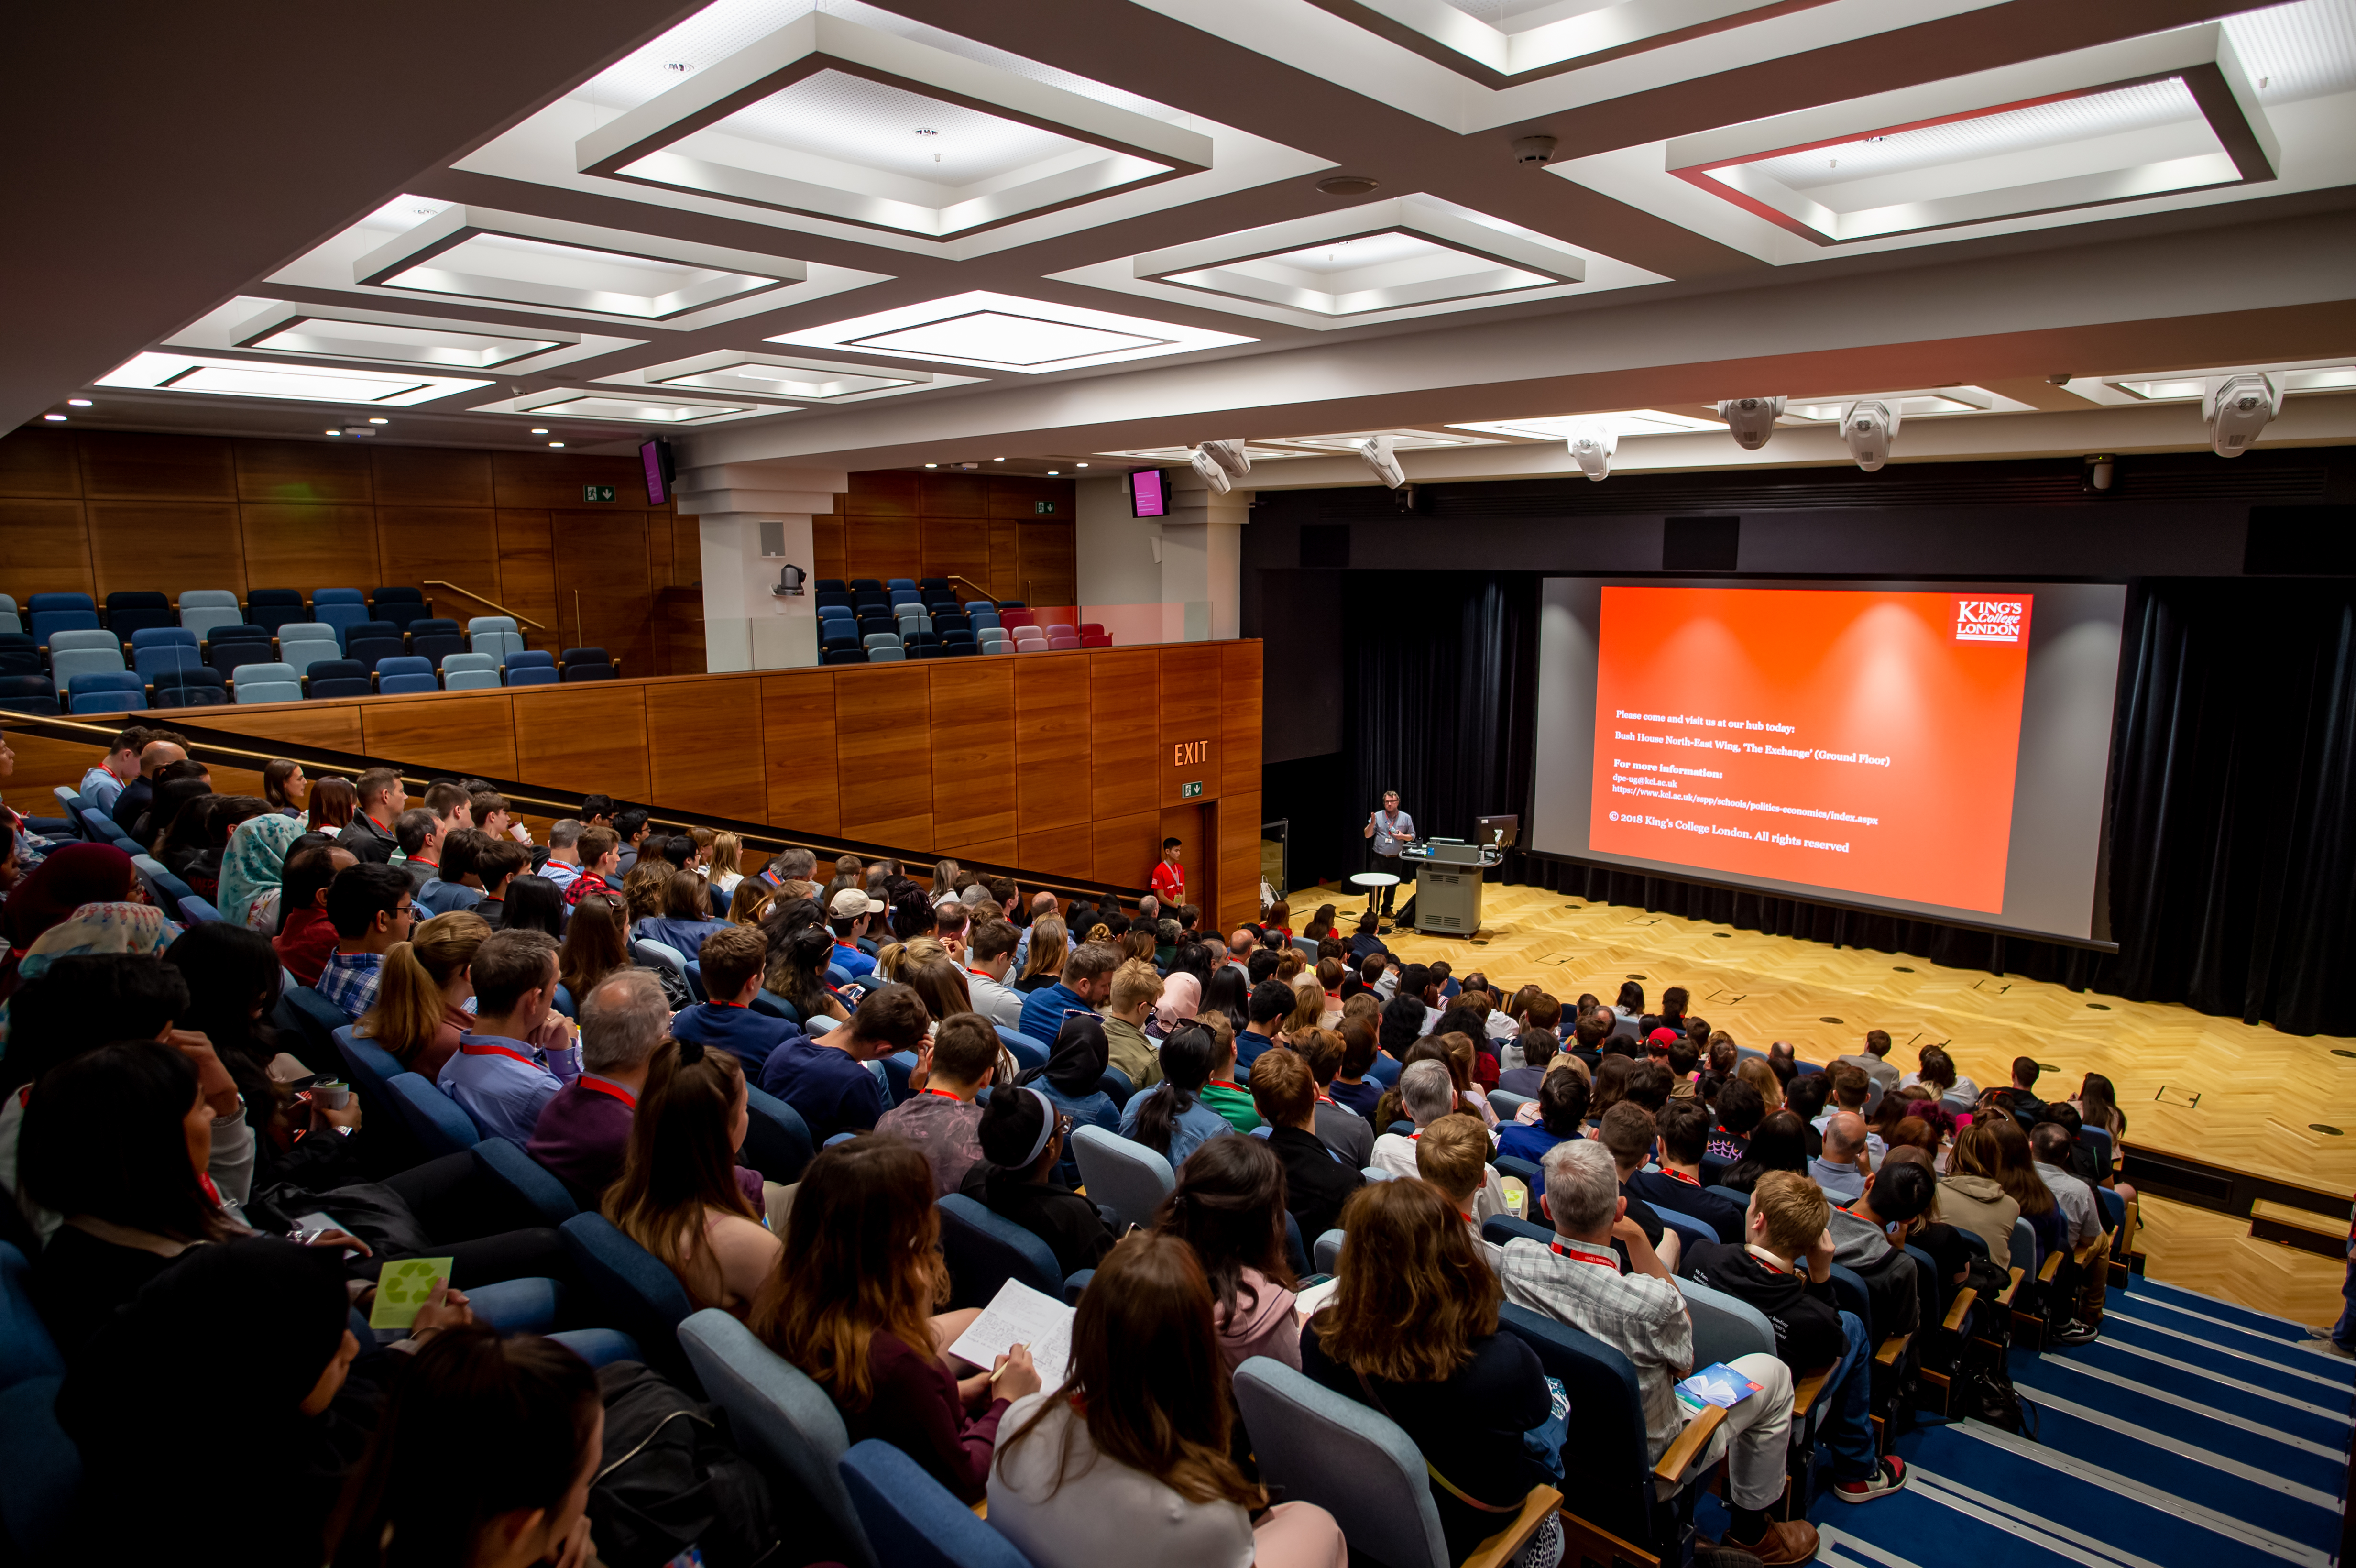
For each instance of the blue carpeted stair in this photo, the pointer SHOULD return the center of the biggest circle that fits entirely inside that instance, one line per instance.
(2192, 1434)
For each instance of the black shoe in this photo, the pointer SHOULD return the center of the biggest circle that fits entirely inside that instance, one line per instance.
(2070, 1331)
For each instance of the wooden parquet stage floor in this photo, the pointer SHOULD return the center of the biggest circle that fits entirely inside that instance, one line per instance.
(2213, 1089)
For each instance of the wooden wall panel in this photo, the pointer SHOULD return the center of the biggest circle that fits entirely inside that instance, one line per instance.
(1124, 731)
(705, 753)
(1058, 852)
(38, 462)
(1239, 869)
(883, 716)
(465, 732)
(884, 548)
(44, 549)
(301, 471)
(882, 493)
(797, 731)
(528, 573)
(603, 598)
(1051, 740)
(432, 475)
(1127, 847)
(897, 524)
(552, 479)
(1196, 855)
(1044, 562)
(452, 544)
(1005, 572)
(973, 755)
(1240, 718)
(826, 549)
(1189, 717)
(956, 546)
(166, 545)
(334, 727)
(310, 547)
(591, 740)
(136, 466)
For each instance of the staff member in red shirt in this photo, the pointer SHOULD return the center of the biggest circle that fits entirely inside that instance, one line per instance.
(1169, 876)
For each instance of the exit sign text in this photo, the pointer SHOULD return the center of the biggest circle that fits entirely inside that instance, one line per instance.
(1186, 753)
(597, 492)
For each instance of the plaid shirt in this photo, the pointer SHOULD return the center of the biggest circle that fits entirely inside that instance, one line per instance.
(1642, 1317)
(349, 980)
(586, 884)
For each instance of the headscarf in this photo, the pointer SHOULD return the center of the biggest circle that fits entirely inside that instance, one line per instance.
(1181, 996)
(1075, 1068)
(69, 878)
(254, 864)
(133, 928)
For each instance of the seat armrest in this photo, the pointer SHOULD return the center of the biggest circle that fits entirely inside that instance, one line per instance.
(1680, 1453)
(1891, 1350)
(2048, 1268)
(1807, 1385)
(1507, 1544)
(2011, 1290)
(1962, 1307)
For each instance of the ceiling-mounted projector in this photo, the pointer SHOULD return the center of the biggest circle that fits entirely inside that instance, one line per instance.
(1230, 456)
(1591, 447)
(2236, 408)
(1869, 425)
(1376, 451)
(1214, 474)
(1753, 419)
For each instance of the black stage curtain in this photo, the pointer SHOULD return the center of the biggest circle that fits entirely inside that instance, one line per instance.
(2233, 850)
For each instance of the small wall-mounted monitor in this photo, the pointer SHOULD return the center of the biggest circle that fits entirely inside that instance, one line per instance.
(655, 458)
(1496, 833)
(1149, 493)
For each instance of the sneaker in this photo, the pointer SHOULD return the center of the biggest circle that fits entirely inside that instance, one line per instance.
(2324, 1342)
(1888, 1478)
(2070, 1331)
(1786, 1544)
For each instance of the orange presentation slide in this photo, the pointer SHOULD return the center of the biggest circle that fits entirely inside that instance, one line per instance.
(1855, 740)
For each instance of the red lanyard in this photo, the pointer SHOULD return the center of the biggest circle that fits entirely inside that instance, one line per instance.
(1678, 1176)
(1324, 1098)
(945, 1094)
(1578, 1255)
(599, 1086)
(982, 975)
(1770, 1264)
(1223, 1083)
(499, 1051)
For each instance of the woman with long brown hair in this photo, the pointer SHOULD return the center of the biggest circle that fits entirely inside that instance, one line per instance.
(1228, 1206)
(1994, 1146)
(1412, 1331)
(678, 1195)
(1128, 1460)
(596, 944)
(851, 1303)
(334, 802)
(1048, 935)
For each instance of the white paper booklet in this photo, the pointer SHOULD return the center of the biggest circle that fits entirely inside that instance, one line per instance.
(1021, 1316)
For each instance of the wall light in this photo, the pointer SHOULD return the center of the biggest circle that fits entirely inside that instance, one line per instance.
(77, 402)
(55, 418)
(556, 444)
(379, 419)
(540, 430)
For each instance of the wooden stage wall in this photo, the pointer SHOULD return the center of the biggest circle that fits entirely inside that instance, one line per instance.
(1068, 765)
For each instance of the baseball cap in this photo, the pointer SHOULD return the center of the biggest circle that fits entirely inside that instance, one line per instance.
(850, 904)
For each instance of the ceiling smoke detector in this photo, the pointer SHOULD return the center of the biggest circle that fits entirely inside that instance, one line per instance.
(1534, 149)
(1348, 185)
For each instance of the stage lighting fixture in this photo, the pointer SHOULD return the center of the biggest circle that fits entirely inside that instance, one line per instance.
(1208, 466)
(2236, 408)
(1753, 419)
(1869, 425)
(1376, 451)
(1591, 447)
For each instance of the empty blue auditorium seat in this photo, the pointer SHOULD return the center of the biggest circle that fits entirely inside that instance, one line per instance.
(230, 646)
(371, 641)
(405, 673)
(271, 608)
(136, 611)
(338, 678)
(28, 694)
(341, 608)
(469, 671)
(436, 638)
(107, 691)
(201, 687)
(201, 610)
(266, 684)
(46, 614)
(399, 606)
(587, 664)
(156, 649)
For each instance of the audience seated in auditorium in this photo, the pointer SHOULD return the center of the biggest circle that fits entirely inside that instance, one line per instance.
(1739, 1111)
(849, 914)
(418, 834)
(1412, 1332)
(942, 1119)
(851, 1305)
(2005, 1154)
(2049, 1146)
(1971, 1198)
(1085, 985)
(583, 1130)
(1172, 1118)
(1340, 1129)
(1874, 1062)
(732, 960)
(563, 861)
(500, 1076)
(1637, 1309)
(306, 937)
(1452, 1155)
(420, 1013)
(371, 905)
(1537, 1047)
(1682, 1130)
(1023, 1137)
(988, 958)
(826, 1079)
(105, 778)
(1129, 1461)
(1072, 1078)
(1317, 1179)
(631, 830)
(1562, 1110)
(1628, 1132)
(1135, 991)
(1228, 1206)
(1897, 1197)
(599, 861)
(679, 1196)
(798, 964)
(456, 881)
(2021, 1097)
(1269, 1005)
(163, 748)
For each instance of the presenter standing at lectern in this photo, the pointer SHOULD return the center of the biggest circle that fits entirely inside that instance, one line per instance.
(1392, 831)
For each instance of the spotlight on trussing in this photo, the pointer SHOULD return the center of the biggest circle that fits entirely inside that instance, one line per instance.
(1214, 474)
(1376, 450)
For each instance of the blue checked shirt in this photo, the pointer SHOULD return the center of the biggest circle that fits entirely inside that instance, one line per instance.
(349, 980)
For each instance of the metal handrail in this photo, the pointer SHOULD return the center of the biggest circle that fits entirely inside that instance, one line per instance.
(519, 618)
(969, 583)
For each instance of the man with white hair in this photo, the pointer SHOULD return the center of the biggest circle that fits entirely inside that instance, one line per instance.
(1575, 1279)
(1427, 1093)
(585, 1126)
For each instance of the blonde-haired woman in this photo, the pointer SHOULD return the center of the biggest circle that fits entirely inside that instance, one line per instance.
(420, 1008)
(727, 868)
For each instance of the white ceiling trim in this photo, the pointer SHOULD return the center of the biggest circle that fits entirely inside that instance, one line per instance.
(825, 382)
(249, 323)
(652, 410)
(927, 331)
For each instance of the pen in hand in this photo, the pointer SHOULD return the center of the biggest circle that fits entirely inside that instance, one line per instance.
(1000, 1369)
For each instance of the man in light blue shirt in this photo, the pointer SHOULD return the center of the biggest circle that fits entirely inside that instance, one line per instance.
(498, 1075)
(1390, 831)
(1839, 1169)
(118, 768)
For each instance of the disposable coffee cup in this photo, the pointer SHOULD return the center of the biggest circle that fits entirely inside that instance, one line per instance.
(332, 1094)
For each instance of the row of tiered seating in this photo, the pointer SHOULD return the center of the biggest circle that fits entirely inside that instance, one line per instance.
(200, 609)
(868, 622)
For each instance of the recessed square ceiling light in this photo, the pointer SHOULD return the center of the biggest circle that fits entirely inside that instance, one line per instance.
(815, 380)
(1257, 451)
(1387, 255)
(997, 331)
(293, 330)
(472, 253)
(1625, 422)
(1499, 42)
(1925, 403)
(2187, 386)
(2155, 115)
(265, 379)
(1401, 440)
(622, 407)
(832, 118)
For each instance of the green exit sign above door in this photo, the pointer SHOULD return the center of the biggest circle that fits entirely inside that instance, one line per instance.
(1189, 791)
(597, 492)
(1043, 508)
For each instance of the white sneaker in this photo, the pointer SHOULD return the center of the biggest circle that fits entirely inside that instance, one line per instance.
(2324, 1342)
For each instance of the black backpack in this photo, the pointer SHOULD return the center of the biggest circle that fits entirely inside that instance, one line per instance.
(671, 1480)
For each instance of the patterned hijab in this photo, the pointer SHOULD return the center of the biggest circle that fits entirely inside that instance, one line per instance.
(133, 928)
(254, 864)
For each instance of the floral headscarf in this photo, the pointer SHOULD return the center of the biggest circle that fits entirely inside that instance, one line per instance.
(254, 866)
(94, 928)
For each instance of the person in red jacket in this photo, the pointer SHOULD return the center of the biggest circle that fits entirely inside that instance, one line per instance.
(1169, 877)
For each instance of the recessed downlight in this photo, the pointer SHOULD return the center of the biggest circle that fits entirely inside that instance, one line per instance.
(540, 430)
(932, 465)
(379, 419)
(556, 444)
(55, 418)
(77, 402)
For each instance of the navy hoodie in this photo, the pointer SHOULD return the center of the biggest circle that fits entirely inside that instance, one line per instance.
(1806, 1316)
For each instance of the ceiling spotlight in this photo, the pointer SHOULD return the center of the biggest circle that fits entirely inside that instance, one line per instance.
(2236, 408)
(998, 459)
(1753, 419)
(2100, 473)
(1230, 456)
(55, 418)
(1079, 464)
(932, 465)
(1869, 425)
(1592, 448)
(556, 444)
(540, 430)
(1215, 473)
(1348, 185)
(2061, 381)
(335, 433)
(379, 419)
(77, 402)
(1053, 473)
(1376, 450)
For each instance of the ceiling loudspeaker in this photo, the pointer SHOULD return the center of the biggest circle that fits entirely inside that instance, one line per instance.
(2236, 408)
(1867, 426)
(1592, 449)
(1230, 456)
(1215, 473)
(1753, 419)
(1376, 451)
